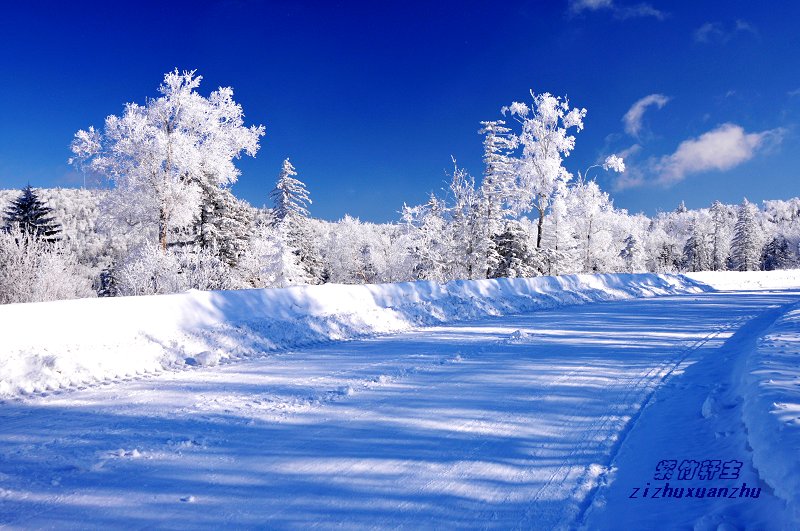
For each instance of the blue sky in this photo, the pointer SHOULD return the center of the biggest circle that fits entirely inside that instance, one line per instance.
(371, 99)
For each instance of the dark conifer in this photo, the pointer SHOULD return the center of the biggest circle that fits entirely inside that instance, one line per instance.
(29, 214)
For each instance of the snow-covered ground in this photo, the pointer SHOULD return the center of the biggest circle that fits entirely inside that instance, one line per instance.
(546, 419)
(53, 345)
(747, 280)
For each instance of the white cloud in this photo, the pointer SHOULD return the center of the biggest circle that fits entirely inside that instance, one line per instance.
(720, 149)
(720, 33)
(620, 12)
(633, 118)
(639, 10)
(577, 6)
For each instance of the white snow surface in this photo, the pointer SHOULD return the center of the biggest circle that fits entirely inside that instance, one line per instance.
(53, 345)
(525, 412)
(771, 391)
(748, 280)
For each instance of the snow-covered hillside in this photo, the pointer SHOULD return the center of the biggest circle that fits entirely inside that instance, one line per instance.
(94, 339)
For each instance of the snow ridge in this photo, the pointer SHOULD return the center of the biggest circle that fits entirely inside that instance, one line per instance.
(771, 408)
(94, 340)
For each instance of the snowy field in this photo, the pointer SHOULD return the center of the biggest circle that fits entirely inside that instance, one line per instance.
(516, 410)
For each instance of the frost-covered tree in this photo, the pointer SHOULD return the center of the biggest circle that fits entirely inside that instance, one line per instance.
(591, 209)
(499, 183)
(289, 197)
(29, 214)
(697, 256)
(518, 256)
(776, 254)
(299, 261)
(720, 235)
(160, 155)
(746, 246)
(545, 141)
(428, 239)
(632, 255)
(472, 250)
(224, 224)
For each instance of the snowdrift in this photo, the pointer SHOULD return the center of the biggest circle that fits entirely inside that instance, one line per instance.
(59, 344)
(771, 408)
(748, 280)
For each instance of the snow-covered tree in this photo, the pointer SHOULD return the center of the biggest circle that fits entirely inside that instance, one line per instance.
(429, 240)
(159, 153)
(722, 224)
(499, 182)
(776, 254)
(518, 256)
(299, 262)
(746, 246)
(632, 255)
(590, 208)
(472, 250)
(224, 224)
(31, 215)
(289, 197)
(545, 141)
(697, 254)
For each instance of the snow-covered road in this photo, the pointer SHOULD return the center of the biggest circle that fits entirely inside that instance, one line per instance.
(508, 422)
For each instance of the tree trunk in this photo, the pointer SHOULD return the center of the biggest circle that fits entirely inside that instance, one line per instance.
(539, 229)
(162, 229)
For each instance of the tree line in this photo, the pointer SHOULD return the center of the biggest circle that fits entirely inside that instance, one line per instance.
(169, 221)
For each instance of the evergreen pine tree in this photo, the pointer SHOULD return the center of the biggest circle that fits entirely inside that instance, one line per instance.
(289, 196)
(745, 249)
(518, 255)
(696, 254)
(632, 255)
(498, 184)
(30, 215)
(224, 224)
(108, 281)
(718, 254)
(776, 254)
(290, 217)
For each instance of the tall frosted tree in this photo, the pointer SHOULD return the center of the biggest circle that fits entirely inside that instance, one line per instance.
(472, 253)
(745, 246)
(32, 216)
(159, 155)
(289, 197)
(499, 183)
(696, 253)
(290, 218)
(545, 142)
(720, 236)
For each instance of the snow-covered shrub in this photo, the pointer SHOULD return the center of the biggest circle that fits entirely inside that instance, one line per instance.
(151, 271)
(34, 270)
(148, 271)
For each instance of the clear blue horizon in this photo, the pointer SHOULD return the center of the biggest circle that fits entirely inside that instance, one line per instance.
(371, 101)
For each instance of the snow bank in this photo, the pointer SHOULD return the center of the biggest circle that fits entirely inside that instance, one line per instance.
(771, 408)
(748, 280)
(70, 343)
